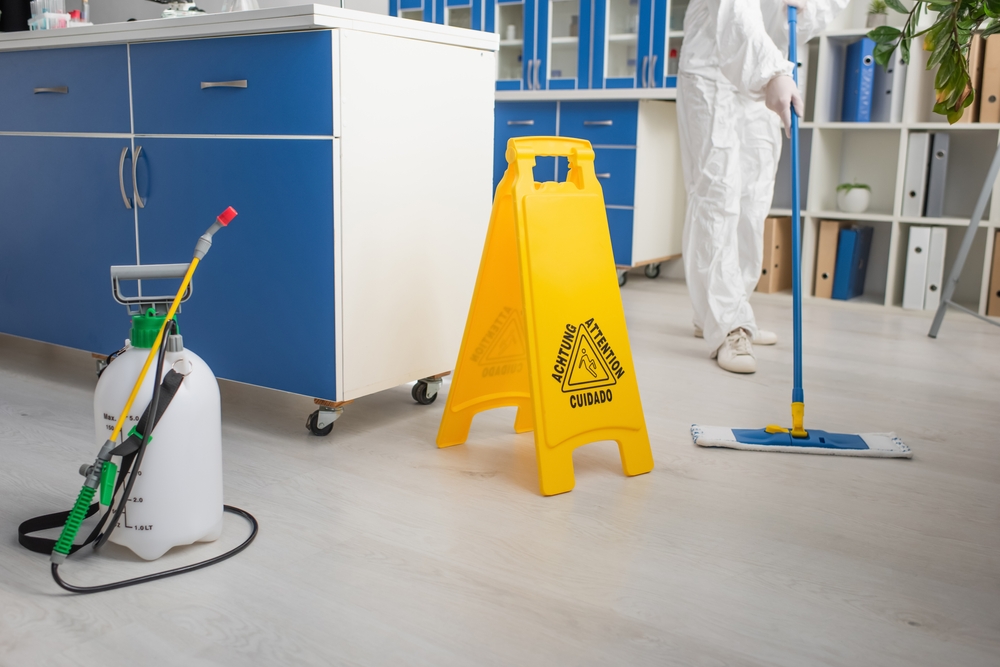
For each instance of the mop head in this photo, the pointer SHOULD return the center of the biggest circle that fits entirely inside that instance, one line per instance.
(883, 445)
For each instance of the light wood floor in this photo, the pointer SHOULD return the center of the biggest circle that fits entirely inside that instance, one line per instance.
(378, 549)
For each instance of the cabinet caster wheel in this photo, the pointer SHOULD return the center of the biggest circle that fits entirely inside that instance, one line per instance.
(419, 393)
(652, 270)
(622, 277)
(312, 423)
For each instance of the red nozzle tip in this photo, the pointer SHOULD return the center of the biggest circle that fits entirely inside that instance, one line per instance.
(227, 216)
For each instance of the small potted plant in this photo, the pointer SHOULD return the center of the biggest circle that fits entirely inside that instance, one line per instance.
(853, 197)
(878, 13)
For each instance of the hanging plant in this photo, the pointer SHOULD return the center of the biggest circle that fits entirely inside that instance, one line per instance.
(947, 39)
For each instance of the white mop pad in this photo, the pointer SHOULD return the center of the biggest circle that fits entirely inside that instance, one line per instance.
(883, 445)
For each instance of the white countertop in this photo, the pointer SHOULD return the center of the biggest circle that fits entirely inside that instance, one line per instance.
(281, 19)
(586, 94)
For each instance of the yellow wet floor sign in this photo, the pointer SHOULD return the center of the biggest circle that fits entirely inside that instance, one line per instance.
(546, 331)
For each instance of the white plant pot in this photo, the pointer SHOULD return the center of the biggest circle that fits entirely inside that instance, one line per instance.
(875, 20)
(855, 200)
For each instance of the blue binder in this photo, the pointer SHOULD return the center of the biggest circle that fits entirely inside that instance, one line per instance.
(852, 262)
(859, 80)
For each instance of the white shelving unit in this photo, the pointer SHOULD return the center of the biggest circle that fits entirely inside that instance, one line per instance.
(835, 152)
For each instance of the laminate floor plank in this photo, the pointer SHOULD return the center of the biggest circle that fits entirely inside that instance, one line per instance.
(376, 548)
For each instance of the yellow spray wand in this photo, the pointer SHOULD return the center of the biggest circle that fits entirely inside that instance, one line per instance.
(76, 516)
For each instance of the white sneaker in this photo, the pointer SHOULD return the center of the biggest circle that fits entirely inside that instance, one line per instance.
(763, 337)
(736, 353)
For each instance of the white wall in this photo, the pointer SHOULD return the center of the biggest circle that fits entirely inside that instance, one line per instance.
(113, 11)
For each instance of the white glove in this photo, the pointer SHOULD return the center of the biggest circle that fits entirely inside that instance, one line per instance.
(780, 95)
(798, 4)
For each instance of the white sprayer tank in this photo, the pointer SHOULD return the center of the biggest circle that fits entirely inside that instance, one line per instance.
(177, 498)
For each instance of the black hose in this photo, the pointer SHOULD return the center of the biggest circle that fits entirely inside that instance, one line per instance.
(134, 468)
(166, 573)
(157, 384)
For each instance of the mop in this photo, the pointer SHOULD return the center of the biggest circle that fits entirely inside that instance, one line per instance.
(797, 439)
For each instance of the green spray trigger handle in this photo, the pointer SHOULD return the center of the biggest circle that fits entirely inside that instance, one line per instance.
(73, 523)
(108, 475)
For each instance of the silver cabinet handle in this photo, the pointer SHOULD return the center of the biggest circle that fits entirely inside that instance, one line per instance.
(520, 122)
(62, 90)
(605, 123)
(538, 66)
(652, 71)
(121, 177)
(241, 83)
(606, 174)
(645, 80)
(135, 183)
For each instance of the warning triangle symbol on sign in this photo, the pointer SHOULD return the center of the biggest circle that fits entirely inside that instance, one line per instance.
(509, 343)
(588, 369)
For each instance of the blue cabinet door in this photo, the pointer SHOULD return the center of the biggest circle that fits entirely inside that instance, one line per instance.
(56, 247)
(510, 20)
(540, 9)
(645, 44)
(659, 46)
(262, 311)
(531, 44)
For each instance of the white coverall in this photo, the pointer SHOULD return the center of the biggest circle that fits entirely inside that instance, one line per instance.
(730, 145)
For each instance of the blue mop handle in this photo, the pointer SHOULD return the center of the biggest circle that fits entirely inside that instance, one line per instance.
(797, 394)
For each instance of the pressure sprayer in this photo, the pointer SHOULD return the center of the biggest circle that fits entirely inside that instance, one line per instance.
(154, 511)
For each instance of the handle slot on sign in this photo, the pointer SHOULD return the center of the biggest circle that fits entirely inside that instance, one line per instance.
(241, 83)
(62, 90)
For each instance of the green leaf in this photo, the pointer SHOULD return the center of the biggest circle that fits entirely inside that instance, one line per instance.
(904, 50)
(941, 51)
(897, 6)
(943, 75)
(884, 33)
(883, 53)
(955, 116)
(941, 3)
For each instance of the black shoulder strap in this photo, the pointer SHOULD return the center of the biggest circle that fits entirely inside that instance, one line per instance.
(43, 545)
(168, 389)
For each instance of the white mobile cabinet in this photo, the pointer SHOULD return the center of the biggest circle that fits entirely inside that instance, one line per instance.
(355, 147)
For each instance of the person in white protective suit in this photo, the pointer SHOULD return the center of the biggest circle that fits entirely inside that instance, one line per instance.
(734, 92)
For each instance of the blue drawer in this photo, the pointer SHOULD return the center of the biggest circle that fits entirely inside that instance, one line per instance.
(288, 77)
(600, 123)
(615, 169)
(620, 225)
(65, 90)
(523, 119)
